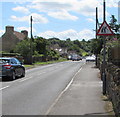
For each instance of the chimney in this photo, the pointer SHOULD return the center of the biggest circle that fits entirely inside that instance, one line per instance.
(9, 29)
(25, 32)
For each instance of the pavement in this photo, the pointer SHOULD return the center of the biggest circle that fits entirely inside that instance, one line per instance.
(84, 95)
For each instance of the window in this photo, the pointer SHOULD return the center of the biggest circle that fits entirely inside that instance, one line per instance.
(18, 62)
(13, 61)
(4, 61)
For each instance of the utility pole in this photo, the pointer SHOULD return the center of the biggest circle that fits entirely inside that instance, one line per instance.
(104, 11)
(96, 32)
(104, 53)
(31, 40)
(31, 20)
(96, 21)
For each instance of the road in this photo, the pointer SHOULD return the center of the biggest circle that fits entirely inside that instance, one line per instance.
(35, 93)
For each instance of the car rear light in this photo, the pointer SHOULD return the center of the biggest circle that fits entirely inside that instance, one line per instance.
(7, 66)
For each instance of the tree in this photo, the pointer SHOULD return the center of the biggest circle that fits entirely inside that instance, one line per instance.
(23, 48)
(96, 46)
(40, 45)
(77, 42)
(113, 24)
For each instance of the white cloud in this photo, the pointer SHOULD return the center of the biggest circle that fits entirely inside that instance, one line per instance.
(72, 34)
(16, 1)
(90, 20)
(69, 34)
(37, 18)
(25, 28)
(64, 15)
(21, 9)
(19, 29)
(51, 5)
(85, 7)
(112, 3)
(48, 34)
(86, 34)
(61, 9)
(20, 19)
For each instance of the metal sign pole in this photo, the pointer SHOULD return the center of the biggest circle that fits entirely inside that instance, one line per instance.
(104, 31)
(104, 54)
(104, 66)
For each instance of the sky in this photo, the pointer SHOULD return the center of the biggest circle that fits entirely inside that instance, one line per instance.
(63, 19)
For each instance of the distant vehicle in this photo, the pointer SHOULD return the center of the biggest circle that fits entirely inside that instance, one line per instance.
(69, 57)
(76, 57)
(90, 58)
(11, 68)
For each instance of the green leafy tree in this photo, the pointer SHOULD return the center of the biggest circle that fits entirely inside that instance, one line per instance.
(96, 46)
(40, 45)
(77, 42)
(24, 48)
(113, 24)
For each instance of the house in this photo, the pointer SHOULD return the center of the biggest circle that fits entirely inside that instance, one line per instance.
(10, 38)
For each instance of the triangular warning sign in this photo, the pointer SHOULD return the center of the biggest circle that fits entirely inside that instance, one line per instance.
(105, 29)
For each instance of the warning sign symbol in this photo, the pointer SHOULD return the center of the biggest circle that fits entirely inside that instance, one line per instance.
(105, 29)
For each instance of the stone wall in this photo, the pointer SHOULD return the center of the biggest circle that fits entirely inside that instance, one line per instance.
(113, 86)
(112, 76)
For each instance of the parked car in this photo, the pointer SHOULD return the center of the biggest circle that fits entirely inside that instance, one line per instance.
(90, 58)
(69, 57)
(11, 68)
(76, 57)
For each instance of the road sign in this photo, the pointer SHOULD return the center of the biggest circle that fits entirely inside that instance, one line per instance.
(105, 29)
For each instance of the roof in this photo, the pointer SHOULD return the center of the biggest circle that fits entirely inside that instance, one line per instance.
(6, 57)
(19, 35)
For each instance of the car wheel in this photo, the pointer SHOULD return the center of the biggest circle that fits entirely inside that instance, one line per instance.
(23, 73)
(13, 76)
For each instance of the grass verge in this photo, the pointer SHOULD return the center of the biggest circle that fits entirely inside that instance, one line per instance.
(45, 63)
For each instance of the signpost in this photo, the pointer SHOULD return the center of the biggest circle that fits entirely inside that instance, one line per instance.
(104, 31)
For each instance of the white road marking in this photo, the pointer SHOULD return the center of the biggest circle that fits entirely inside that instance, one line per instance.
(4, 88)
(25, 79)
(48, 111)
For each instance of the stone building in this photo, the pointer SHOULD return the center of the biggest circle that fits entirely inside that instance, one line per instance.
(10, 38)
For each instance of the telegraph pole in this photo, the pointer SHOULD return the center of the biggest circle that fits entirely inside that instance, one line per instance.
(96, 21)
(31, 40)
(96, 32)
(104, 52)
(31, 20)
(104, 11)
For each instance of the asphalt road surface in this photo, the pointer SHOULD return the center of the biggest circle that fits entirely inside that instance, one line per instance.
(35, 93)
